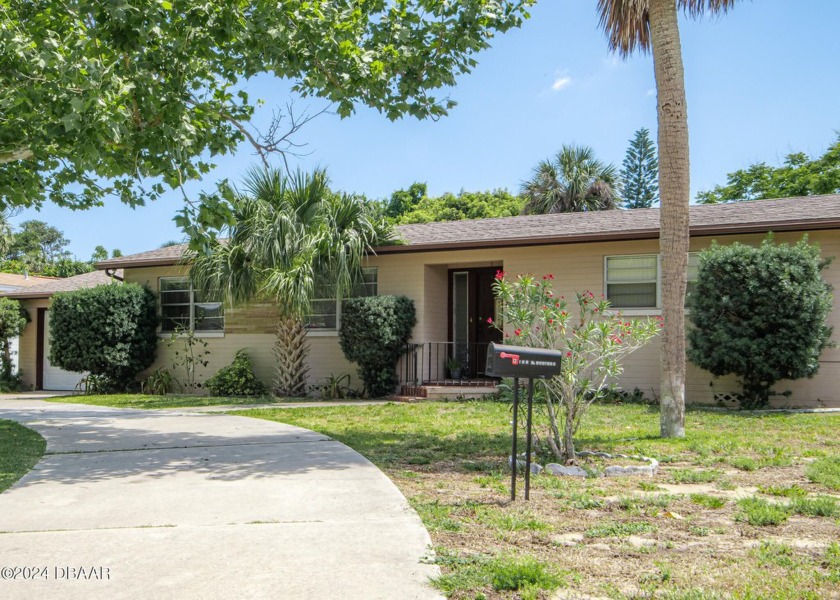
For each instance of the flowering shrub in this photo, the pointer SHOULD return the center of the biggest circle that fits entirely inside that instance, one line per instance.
(593, 340)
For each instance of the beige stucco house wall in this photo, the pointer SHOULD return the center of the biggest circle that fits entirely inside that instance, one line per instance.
(424, 276)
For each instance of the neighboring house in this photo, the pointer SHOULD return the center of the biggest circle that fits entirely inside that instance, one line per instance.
(448, 269)
(35, 366)
(10, 282)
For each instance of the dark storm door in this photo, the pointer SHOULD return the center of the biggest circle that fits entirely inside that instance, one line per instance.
(472, 304)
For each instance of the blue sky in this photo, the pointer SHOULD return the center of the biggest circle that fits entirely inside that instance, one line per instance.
(762, 81)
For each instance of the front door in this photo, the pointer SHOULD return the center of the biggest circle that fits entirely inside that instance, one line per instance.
(473, 304)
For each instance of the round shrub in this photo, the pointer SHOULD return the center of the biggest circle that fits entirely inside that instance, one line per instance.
(374, 331)
(109, 330)
(237, 379)
(760, 313)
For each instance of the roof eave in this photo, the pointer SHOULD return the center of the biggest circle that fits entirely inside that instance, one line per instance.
(614, 236)
(129, 264)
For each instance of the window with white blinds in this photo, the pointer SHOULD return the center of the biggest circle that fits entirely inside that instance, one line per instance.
(632, 281)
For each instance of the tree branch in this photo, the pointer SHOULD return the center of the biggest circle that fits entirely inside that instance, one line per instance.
(16, 155)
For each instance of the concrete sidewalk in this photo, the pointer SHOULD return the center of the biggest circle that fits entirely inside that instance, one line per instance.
(161, 504)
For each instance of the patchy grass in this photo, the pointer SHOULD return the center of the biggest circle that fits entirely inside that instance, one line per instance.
(761, 513)
(708, 501)
(524, 574)
(790, 491)
(694, 476)
(685, 534)
(20, 449)
(145, 401)
(619, 529)
(825, 471)
(816, 506)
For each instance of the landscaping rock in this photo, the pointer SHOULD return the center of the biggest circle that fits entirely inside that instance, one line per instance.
(616, 471)
(568, 539)
(536, 468)
(600, 547)
(639, 542)
(520, 464)
(560, 470)
(597, 454)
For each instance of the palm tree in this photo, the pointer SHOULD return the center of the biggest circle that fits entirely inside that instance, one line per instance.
(289, 235)
(652, 25)
(573, 181)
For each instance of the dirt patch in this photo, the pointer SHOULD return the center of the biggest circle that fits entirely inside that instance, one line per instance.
(620, 538)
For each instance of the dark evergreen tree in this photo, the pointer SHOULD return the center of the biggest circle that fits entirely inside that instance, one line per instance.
(640, 172)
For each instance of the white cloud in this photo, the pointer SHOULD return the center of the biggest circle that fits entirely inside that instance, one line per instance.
(650, 92)
(612, 61)
(561, 83)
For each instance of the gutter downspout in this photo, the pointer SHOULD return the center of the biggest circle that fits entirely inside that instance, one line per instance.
(112, 273)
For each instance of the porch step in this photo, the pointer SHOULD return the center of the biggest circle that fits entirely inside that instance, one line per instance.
(442, 392)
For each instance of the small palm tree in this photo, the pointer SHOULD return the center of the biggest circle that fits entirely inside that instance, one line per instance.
(573, 181)
(289, 235)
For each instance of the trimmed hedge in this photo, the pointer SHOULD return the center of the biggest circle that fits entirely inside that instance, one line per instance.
(373, 333)
(760, 313)
(109, 330)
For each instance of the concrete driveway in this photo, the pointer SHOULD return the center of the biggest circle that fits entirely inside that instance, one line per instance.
(160, 504)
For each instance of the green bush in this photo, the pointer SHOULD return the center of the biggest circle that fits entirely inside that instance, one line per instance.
(109, 331)
(374, 331)
(760, 313)
(237, 379)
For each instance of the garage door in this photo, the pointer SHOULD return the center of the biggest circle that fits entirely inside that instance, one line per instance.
(54, 378)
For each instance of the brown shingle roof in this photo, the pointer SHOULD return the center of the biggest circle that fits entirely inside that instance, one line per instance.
(785, 214)
(168, 255)
(67, 284)
(16, 280)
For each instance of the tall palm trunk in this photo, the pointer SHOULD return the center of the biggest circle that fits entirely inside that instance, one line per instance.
(291, 351)
(674, 196)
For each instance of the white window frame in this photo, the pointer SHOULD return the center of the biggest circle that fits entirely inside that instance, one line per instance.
(641, 311)
(166, 334)
(330, 332)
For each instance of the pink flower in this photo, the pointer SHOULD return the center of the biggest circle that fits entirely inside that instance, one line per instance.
(568, 354)
(518, 332)
(490, 320)
(500, 274)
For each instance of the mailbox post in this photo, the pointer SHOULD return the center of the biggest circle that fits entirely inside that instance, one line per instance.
(516, 362)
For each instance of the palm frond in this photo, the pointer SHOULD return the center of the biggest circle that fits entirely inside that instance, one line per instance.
(573, 181)
(627, 25)
(627, 22)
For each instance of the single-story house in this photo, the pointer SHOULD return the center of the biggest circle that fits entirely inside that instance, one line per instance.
(448, 268)
(34, 342)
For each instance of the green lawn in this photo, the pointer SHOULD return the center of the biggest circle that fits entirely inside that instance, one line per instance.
(746, 506)
(170, 401)
(20, 449)
(404, 434)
